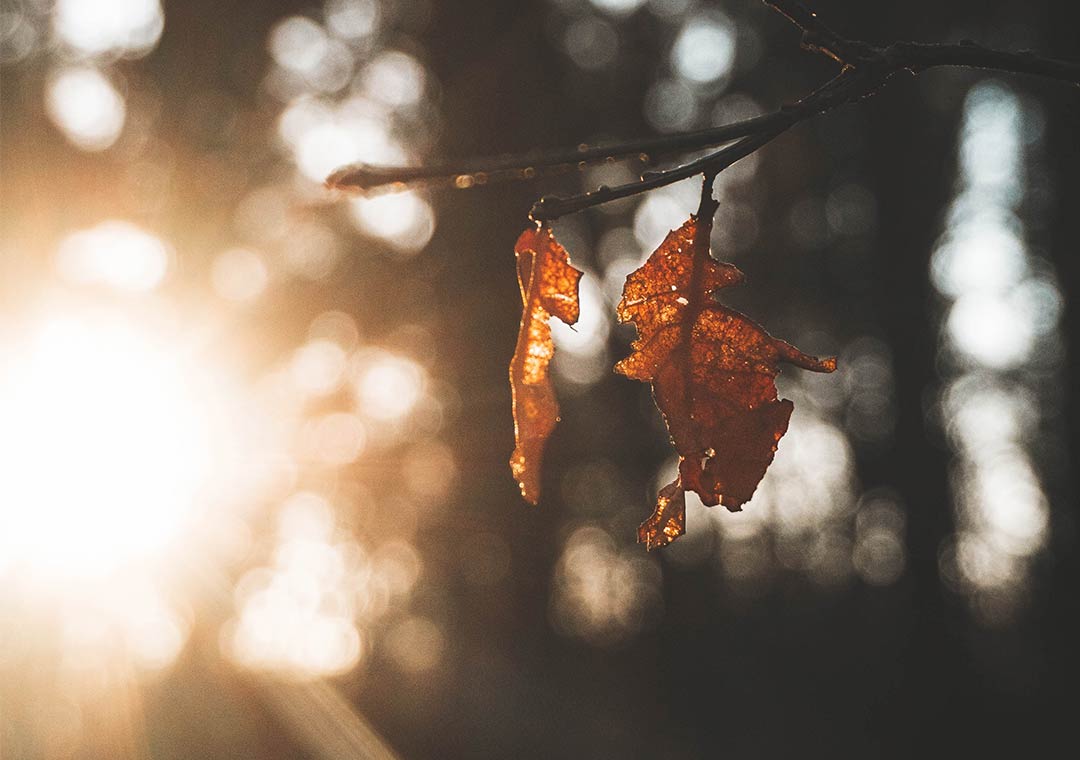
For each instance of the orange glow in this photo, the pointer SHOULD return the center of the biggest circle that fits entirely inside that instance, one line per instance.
(549, 287)
(114, 253)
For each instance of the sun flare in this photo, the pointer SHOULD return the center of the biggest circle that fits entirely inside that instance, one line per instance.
(107, 443)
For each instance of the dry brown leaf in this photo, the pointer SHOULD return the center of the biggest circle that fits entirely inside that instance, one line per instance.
(549, 287)
(712, 371)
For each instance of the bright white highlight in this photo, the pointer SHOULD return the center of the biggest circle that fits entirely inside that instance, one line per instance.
(297, 617)
(388, 387)
(307, 614)
(352, 19)
(298, 44)
(582, 356)
(404, 220)
(999, 312)
(94, 27)
(704, 50)
(85, 106)
(394, 78)
(114, 253)
(324, 137)
(105, 447)
(618, 7)
(239, 274)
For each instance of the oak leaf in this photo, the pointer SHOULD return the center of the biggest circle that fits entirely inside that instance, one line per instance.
(549, 287)
(712, 371)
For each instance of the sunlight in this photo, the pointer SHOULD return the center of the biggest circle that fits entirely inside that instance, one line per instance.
(990, 329)
(618, 7)
(85, 106)
(114, 253)
(130, 26)
(705, 49)
(106, 445)
(404, 220)
(394, 78)
(602, 594)
(298, 43)
(581, 356)
(308, 613)
(323, 136)
(323, 148)
(389, 386)
(352, 19)
(318, 366)
(1000, 310)
(239, 274)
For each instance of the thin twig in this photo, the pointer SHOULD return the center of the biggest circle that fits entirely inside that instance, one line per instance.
(919, 56)
(365, 178)
(552, 207)
(817, 36)
(850, 84)
(866, 68)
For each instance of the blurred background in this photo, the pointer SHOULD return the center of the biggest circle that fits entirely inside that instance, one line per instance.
(254, 493)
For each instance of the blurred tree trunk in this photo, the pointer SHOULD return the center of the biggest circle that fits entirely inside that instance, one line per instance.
(914, 171)
(1062, 155)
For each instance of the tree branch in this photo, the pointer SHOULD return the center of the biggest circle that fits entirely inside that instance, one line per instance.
(364, 178)
(837, 90)
(552, 207)
(919, 56)
(817, 36)
(866, 68)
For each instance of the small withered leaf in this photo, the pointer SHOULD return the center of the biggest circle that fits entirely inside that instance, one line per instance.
(712, 371)
(549, 287)
(668, 520)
